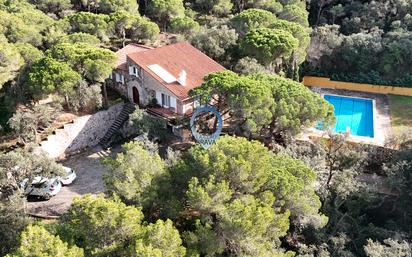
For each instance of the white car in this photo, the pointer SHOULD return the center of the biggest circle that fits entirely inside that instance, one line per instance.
(41, 187)
(45, 187)
(69, 178)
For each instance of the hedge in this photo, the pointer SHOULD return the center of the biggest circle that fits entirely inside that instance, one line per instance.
(373, 77)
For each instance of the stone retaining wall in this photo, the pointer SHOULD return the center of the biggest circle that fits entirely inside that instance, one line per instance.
(84, 132)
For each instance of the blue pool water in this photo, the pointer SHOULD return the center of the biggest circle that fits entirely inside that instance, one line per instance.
(355, 113)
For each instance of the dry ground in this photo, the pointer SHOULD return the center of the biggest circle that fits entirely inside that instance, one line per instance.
(401, 113)
(89, 170)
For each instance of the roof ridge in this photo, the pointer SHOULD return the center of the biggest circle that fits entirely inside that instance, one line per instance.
(168, 46)
(143, 46)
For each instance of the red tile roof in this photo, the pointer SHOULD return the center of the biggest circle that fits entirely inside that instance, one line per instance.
(123, 52)
(175, 58)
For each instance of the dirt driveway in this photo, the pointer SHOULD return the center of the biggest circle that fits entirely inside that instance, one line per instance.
(89, 170)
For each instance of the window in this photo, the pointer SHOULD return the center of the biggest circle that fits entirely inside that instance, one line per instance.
(165, 100)
(133, 70)
(119, 78)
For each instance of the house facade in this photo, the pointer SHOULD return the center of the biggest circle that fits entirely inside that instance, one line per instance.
(161, 78)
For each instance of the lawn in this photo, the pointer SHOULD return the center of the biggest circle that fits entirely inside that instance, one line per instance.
(401, 112)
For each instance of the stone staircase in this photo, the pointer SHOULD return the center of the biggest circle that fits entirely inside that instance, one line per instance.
(82, 132)
(128, 108)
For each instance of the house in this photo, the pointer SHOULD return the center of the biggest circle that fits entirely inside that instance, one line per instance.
(161, 78)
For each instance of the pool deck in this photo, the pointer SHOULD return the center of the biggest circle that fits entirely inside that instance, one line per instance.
(382, 120)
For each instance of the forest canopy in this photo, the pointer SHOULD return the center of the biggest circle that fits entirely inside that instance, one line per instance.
(361, 41)
(257, 191)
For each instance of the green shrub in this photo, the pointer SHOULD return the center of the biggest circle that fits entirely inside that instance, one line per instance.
(372, 77)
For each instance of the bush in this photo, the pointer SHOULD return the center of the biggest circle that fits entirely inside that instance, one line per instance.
(25, 123)
(372, 77)
(86, 97)
(140, 122)
(184, 25)
(144, 29)
(248, 66)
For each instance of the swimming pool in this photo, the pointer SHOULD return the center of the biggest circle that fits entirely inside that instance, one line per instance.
(353, 113)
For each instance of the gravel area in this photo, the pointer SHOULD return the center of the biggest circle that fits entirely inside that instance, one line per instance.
(89, 169)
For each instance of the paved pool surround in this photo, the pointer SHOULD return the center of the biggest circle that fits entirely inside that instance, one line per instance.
(382, 122)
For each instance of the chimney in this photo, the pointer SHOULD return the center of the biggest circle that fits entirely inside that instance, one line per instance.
(182, 78)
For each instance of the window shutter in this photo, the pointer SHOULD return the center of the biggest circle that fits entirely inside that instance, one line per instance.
(159, 97)
(168, 101)
(130, 70)
(117, 77)
(173, 102)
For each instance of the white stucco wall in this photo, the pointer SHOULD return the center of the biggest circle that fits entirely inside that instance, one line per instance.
(147, 86)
